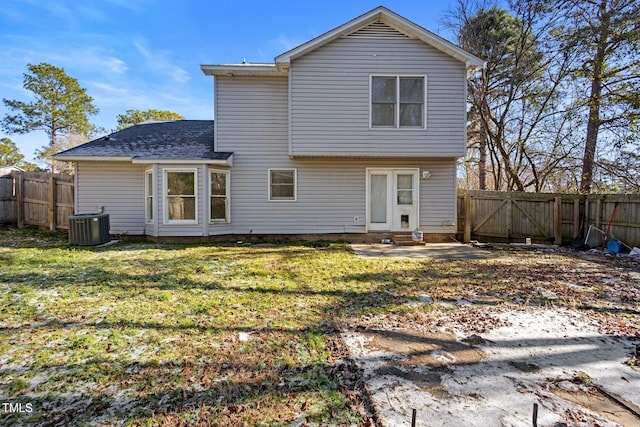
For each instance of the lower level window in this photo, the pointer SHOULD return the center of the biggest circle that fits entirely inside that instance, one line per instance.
(282, 184)
(219, 196)
(148, 195)
(180, 196)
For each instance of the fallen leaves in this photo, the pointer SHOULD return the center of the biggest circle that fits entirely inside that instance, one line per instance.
(234, 409)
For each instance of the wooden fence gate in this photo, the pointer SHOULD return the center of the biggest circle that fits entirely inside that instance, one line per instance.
(544, 217)
(36, 198)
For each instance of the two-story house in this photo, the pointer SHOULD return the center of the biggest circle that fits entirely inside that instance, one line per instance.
(356, 131)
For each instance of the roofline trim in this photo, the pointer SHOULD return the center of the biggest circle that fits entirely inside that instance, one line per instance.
(230, 70)
(92, 158)
(146, 161)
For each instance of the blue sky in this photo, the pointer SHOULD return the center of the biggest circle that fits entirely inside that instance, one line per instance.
(142, 54)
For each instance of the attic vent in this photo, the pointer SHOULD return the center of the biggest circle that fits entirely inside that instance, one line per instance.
(378, 29)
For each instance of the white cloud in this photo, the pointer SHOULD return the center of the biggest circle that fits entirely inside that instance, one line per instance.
(279, 45)
(15, 86)
(79, 60)
(116, 65)
(117, 99)
(160, 61)
(140, 47)
(139, 6)
(107, 88)
(284, 44)
(115, 95)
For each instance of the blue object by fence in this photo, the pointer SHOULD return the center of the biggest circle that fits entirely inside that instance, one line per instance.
(614, 246)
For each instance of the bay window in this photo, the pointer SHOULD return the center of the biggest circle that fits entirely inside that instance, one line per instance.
(148, 195)
(180, 196)
(219, 196)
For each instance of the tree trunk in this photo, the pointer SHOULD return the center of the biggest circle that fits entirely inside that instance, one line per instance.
(482, 164)
(595, 100)
(588, 159)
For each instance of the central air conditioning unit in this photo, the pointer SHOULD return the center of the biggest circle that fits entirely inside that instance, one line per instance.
(89, 229)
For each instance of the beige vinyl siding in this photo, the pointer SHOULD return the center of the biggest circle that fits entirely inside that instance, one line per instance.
(116, 186)
(332, 192)
(330, 100)
(253, 123)
(438, 197)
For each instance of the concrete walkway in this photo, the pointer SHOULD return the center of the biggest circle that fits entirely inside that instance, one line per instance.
(442, 251)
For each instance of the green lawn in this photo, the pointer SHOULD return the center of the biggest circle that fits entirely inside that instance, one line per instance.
(150, 334)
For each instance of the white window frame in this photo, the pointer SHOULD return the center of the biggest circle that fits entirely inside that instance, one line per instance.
(397, 126)
(295, 184)
(165, 204)
(149, 197)
(227, 196)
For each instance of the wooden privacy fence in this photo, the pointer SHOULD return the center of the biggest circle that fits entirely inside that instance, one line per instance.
(47, 200)
(552, 218)
(35, 198)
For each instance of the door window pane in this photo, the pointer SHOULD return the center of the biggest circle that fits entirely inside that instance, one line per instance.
(379, 198)
(405, 189)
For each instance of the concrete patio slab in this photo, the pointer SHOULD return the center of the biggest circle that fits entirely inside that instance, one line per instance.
(441, 251)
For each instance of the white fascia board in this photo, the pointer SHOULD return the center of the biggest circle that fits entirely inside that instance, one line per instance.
(473, 67)
(230, 70)
(92, 158)
(220, 162)
(145, 161)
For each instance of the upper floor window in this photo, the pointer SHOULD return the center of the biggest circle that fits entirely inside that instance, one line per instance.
(398, 101)
(282, 184)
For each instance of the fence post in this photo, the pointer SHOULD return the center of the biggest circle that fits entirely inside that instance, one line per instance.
(467, 217)
(599, 212)
(20, 200)
(509, 219)
(576, 218)
(557, 221)
(52, 203)
(587, 216)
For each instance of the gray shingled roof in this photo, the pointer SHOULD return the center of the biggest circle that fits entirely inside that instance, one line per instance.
(179, 140)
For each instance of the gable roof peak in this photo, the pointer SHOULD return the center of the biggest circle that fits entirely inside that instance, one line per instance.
(396, 22)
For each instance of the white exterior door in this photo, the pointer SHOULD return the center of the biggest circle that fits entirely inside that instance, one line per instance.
(392, 199)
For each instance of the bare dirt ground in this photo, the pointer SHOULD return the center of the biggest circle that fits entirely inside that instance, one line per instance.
(561, 332)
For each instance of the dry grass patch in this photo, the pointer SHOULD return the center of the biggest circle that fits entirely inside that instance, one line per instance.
(149, 334)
